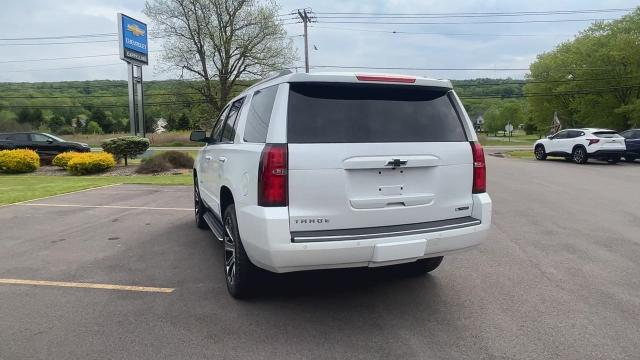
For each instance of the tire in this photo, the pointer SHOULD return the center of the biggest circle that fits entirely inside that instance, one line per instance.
(629, 158)
(239, 272)
(579, 155)
(424, 266)
(198, 206)
(540, 153)
(613, 160)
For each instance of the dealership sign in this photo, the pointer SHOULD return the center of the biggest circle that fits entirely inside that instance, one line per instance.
(132, 37)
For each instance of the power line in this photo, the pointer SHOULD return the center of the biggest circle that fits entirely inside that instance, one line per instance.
(433, 33)
(321, 19)
(500, 13)
(60, 37)
(63, 68)
(416, 68)
(59, 58)
(58, 43)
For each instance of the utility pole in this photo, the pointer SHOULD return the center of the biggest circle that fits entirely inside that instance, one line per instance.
(305, 20)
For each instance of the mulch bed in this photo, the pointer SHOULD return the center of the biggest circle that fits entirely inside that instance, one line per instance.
(118, 170)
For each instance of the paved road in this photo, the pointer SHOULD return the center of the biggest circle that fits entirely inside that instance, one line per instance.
(559, 279)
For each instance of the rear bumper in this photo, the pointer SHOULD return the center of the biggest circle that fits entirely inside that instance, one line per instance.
(271, 246)
(607, 153)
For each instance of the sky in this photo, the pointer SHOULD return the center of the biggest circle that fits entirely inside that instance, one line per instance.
(492, 46)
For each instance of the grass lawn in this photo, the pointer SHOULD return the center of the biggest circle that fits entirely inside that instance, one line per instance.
(16, 188)
(516, 140)
(521, 154)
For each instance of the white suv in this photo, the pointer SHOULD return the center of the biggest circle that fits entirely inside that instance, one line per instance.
(579, 145)
(336, 170)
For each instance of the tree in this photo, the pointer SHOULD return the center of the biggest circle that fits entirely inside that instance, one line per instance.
(590, 80)
(101, 118)
(126, 147)
(56, 123)
(172, 123)
(150, 123)
(218, 42)
(492, 120)
(183, 122)
(93, 128)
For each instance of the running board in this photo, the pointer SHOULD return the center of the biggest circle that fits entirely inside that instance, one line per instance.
(214, 225)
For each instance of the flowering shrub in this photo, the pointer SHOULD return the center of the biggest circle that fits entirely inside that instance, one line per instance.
(19, 161)
(90, 163)
(62, 159)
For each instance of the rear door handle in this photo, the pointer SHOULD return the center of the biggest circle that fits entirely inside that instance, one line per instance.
(222, 159)
(208, 158)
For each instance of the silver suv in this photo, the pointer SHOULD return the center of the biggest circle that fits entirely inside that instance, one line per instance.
(336, 170)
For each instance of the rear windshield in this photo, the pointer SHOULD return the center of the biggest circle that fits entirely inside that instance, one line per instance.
(370, 113)
(606, 134)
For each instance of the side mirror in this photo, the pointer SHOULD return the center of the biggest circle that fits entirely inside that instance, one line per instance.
(50, 141)
(198, 136)
(550, 137)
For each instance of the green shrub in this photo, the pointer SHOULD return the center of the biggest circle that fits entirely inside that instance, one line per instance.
(126, 147)
(154, 165)
(62, 159)
(65, 130)
(19, 161)
(90, 163)
(177, 159)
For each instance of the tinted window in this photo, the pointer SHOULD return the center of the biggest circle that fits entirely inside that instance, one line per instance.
(19, 137)
(627, 134)
(229, 132)
(574, 134)
(39, 138)
(259, 115)
(561, 135)
(359, 113)
(217, 128)
(606, 134)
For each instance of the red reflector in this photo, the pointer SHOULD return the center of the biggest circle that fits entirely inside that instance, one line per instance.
(387, 78)
(273, 176)
(479, 169)
(593, 141)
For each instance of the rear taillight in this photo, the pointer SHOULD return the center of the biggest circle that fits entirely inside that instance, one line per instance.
(479, 169)
(272, 176)
(593, 141)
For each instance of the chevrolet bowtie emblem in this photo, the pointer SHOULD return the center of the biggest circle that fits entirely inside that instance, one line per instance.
(396, 163)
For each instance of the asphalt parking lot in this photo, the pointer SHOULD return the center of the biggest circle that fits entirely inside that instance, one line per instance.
(558, 278)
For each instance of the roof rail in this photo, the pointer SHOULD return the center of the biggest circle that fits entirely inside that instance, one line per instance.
(279, 74)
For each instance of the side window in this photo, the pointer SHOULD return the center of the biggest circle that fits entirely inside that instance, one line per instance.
(627, 134)
(259, 115)
(229, 132)
(19, 137)
(39, 138)
(574, 134)
(217, 128)
(560, 135)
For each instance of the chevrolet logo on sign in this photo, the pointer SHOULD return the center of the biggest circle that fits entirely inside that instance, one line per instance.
(135, 30)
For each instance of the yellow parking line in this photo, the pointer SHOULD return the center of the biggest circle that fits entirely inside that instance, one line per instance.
(85, 285)
(109, 206)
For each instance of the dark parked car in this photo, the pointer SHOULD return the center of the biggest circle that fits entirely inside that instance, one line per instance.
(46, 145)
(632, 141)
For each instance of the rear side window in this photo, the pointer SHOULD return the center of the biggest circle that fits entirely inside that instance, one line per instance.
(259, 115)
(19, 137)
(606, 134)
(370, 113)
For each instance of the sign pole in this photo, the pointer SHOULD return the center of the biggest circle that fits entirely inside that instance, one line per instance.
(140, 102)
(132, 100)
